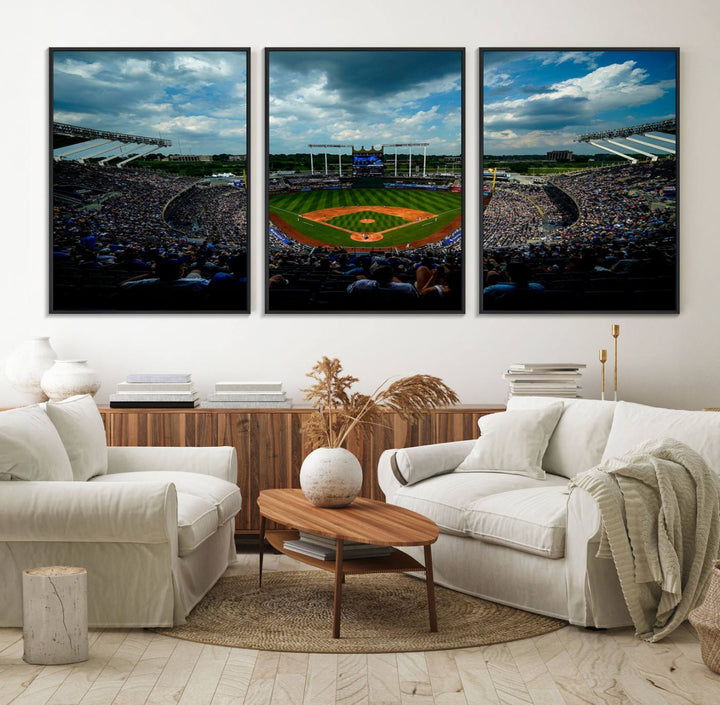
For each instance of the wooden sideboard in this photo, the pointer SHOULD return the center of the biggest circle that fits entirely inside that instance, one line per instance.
(270, 443)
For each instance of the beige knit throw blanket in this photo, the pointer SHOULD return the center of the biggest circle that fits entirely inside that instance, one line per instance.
(660, 524)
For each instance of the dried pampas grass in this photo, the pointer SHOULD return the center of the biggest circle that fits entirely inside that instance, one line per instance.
(338, 410)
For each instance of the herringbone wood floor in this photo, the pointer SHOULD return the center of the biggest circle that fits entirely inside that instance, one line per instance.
(570, 666)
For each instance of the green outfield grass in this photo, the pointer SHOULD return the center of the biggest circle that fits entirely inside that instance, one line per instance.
(290, 206)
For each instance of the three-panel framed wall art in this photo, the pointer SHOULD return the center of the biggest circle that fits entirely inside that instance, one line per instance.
(365, 182)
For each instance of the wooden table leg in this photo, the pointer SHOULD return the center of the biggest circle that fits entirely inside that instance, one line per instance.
(337, 597)
(429, 580)
(261, 549)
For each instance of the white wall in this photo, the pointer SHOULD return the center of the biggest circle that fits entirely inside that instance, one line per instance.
(664, 359)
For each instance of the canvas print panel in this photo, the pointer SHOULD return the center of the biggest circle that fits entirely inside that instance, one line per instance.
(149, 180)
(365, 180)
(580, 165)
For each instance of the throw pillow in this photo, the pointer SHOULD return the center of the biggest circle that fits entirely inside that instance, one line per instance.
(513, 442)
(80, 426)
(411, 465)
(636, 423)
(30, 447)
(579, 439)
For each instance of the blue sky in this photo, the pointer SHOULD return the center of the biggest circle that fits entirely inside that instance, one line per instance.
(197, 99)
(365, 98)
(535, 101)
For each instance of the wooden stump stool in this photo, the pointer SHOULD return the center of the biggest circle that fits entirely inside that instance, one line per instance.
(55, 615)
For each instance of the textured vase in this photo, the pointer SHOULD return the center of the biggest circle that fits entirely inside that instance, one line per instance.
(331, 477)
(25, 366)
(66, 378)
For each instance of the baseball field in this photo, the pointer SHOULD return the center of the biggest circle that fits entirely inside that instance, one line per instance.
(377, 218)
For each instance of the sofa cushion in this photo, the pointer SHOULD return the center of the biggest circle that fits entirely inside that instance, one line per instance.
(513, 442)
(532, 520)
(634, 424)
(580, 437)
(81, 429)
(197, 521)
(223, 495)
(421, 462)
(446, 499)
(30, 447)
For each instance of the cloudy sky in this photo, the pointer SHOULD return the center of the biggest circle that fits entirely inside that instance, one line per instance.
(365, 98)
(539, 101)
(194, 98)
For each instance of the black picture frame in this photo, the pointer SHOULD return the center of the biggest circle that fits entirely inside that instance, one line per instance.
(353, 79)
(172, 236)
(601, 238)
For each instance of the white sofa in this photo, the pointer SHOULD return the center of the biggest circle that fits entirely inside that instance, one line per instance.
(527, 541)
(154, 527)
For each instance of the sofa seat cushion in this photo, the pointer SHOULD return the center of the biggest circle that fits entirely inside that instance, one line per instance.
(532, 520)
(223, 495)
(446, 499)
(197, 521)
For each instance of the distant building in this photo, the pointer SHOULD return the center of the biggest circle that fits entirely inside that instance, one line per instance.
(237, 157)
(561, 155)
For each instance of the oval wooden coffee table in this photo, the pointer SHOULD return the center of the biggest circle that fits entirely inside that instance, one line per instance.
(366, 521)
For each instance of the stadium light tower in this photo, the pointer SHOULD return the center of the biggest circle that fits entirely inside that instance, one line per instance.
(338, 146)
(410, 145)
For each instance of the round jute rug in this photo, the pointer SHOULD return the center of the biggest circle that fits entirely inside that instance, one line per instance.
(380, 613)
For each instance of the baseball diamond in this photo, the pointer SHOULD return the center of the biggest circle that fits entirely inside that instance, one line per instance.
(366, 217)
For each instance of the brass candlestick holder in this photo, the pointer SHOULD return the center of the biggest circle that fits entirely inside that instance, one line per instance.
(603, 360)
(615, 331)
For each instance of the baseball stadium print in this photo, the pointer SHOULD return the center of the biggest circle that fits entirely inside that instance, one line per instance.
(365, 180)
(580, 180)
(149, 180)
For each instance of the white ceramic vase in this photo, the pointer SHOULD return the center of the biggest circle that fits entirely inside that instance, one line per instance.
(66, 378)
(25, 366)
(331, 477)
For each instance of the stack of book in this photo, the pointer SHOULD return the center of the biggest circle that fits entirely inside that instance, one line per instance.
(323, 548)
(544, 379)
(155, 391)
(247, 395)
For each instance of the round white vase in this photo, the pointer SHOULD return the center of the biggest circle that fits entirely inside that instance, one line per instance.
(26, 365)
(66, 378)
(331, 477)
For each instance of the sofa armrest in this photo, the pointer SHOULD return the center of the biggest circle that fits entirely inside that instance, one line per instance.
(88, 512)
(406, 466)
(583, 519)
(216, 461)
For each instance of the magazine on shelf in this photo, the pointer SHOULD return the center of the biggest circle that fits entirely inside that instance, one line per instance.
(560, 366)
(248, 387)
(326, 540)
(326, 553)
(158, 377)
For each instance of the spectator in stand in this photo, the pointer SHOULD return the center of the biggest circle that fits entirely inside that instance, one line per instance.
(518, 294)
(167, 288)
(382, 289)
(228, 290)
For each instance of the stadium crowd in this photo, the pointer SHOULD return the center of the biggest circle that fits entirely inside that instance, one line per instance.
(515, 214)
(624, 240)
(302, 277)
(111, 230)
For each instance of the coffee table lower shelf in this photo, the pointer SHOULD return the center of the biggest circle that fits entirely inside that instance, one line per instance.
(396, 562)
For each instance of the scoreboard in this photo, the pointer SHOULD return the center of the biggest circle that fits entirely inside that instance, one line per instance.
(368, 162)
